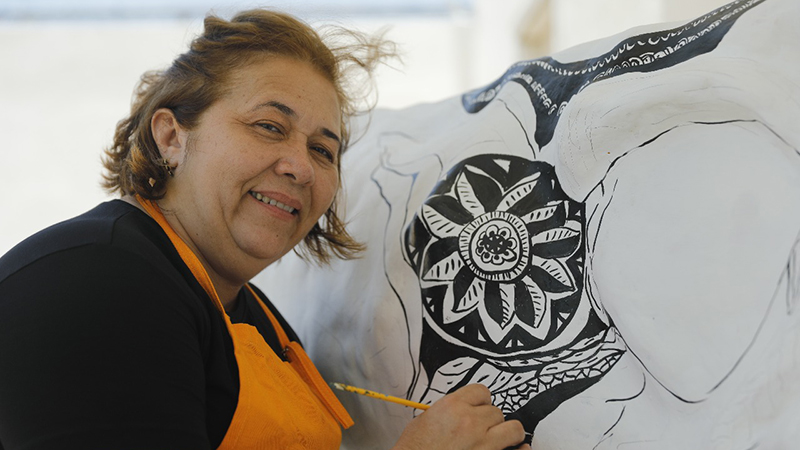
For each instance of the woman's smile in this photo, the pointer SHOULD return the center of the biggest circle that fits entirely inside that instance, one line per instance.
(272, 201)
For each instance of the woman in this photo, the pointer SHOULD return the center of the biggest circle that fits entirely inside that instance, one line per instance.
(134, 326)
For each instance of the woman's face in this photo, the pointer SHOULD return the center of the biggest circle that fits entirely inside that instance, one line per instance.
(259, 169)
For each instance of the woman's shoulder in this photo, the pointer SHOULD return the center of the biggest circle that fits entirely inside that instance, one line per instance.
(96, 226)
(112, 246)
(113, 259)
(111, 227)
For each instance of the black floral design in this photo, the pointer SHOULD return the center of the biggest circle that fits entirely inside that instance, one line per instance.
(498, 250)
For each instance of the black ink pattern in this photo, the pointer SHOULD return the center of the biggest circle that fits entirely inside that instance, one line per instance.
(551, 84)
(499, 250)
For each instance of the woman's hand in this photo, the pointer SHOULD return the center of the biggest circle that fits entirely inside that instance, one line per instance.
(464, 420)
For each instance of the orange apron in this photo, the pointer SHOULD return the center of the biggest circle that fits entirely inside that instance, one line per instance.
(282, 405)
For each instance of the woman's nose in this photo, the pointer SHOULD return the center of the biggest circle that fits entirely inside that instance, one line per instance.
(295, 162)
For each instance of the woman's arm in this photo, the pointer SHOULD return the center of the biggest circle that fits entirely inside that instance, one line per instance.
(97, 350)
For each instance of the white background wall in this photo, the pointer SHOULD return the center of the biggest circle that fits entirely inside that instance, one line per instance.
(64, 84)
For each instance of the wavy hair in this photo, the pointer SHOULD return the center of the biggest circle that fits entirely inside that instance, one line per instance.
(199, 77)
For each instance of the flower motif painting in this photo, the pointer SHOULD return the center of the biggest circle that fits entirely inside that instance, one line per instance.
(498, 250)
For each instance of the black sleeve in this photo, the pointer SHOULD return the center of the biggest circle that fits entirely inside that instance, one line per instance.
(92, 356)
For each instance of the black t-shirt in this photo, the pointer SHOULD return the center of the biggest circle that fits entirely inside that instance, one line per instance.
(108, 341)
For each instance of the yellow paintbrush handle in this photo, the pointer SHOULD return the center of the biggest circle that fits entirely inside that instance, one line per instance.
(384, 397)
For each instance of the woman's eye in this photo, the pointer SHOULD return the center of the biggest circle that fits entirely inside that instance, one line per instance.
(324, 152)
(270, 127)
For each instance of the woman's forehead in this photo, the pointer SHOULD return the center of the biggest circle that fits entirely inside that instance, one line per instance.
(286, 85)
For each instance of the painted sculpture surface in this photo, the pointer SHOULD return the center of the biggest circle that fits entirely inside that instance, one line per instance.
(609, 239)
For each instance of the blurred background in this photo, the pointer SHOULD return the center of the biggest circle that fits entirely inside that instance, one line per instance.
(68, 68)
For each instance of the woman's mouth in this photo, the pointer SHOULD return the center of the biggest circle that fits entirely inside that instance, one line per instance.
(273, 202)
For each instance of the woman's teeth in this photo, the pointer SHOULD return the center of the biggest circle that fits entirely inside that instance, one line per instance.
(269, 201)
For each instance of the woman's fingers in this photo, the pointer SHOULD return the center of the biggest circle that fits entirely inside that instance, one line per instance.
(491, 415)
(508, 434)
(474, 394)
(464, 419)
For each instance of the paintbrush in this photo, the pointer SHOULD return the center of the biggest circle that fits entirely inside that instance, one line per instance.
(393, 399)
(379, 396)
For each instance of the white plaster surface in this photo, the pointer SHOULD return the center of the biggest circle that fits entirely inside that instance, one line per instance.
(695, 173)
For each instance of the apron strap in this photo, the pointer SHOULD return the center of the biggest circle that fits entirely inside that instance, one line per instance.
(187, 255)
(297, 357)
(282, 336)
(302, 364)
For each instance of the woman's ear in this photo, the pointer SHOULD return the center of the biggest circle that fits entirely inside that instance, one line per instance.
(169, 136)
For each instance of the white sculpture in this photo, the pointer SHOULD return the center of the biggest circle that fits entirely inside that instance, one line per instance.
(609, 239)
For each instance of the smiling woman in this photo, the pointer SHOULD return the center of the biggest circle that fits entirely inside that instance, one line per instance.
(134, 325)
(199, 77)
(271, 133)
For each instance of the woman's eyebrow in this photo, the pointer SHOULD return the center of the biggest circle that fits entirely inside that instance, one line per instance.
(284, 109)
(289, 112)
(331, 135)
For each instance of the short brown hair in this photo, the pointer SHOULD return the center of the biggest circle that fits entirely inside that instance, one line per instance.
(198, 78)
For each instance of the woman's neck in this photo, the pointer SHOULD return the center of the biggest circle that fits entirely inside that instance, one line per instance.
(226, 291)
